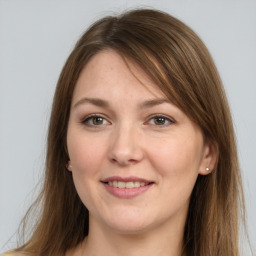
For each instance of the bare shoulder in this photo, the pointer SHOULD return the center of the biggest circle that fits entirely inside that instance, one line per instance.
(11, 253)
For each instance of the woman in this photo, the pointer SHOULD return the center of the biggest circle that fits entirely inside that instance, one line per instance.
(141, 152)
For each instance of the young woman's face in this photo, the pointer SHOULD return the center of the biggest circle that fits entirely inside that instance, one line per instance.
(135, 156)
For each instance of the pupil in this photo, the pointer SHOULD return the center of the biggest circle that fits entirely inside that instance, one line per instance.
(159, 120)
(97, 120)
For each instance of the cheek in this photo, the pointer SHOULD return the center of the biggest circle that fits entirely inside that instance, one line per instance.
(86, 155)
(177, 163)
(176, 157)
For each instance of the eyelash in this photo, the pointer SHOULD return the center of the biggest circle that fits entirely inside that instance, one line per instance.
(153, 118)
(165, 118)
(89, 118)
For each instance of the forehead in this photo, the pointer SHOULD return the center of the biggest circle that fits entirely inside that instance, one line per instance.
(108, 73)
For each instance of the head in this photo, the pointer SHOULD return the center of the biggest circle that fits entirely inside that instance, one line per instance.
(178, 63)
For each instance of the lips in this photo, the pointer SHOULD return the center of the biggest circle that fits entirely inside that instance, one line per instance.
(126, 179)
(129, 184)
(126, 187)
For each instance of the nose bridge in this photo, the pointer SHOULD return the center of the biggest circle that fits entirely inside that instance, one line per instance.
(125, 145)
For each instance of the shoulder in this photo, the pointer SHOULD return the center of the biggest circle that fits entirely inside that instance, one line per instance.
(12, 254)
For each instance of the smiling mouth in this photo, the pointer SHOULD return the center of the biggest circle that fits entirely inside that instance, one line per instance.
(126, 187)
(129, 184)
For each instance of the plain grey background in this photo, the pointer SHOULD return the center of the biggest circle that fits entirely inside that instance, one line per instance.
(35, 40)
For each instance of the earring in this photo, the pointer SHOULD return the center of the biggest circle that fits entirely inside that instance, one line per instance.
(207, 169)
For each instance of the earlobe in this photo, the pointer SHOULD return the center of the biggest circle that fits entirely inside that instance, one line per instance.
(209, 159)
(69, 166)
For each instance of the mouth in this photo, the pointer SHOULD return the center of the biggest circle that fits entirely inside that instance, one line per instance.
(129, 184)
(126, 187)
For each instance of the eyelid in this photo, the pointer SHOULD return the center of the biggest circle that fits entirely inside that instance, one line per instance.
(88, 117)
(168, 118)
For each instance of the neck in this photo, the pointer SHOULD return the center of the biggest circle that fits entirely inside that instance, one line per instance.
(161, 241)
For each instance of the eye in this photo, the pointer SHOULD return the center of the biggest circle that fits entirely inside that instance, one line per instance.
(95, 120)
(160, 120)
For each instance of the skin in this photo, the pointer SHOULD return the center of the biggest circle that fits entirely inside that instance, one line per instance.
(129, 138)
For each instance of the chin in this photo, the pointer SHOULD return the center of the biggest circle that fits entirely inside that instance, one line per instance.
(130, 224)
(129, 228)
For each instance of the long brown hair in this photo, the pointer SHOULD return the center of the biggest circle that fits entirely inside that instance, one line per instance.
(180, 64)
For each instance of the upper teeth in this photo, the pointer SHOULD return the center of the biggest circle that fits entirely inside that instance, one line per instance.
(129, 184)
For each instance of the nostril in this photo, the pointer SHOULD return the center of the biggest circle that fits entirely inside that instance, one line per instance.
(113, 160)
(123, 161)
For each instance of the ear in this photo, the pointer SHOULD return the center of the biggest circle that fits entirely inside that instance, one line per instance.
(69, 166)
(209, 158)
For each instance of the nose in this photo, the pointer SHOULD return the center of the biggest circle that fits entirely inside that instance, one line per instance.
(125, 146)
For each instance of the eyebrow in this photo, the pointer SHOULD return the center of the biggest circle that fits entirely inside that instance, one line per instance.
(153, 102)
(103, 103)
(94, 101)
